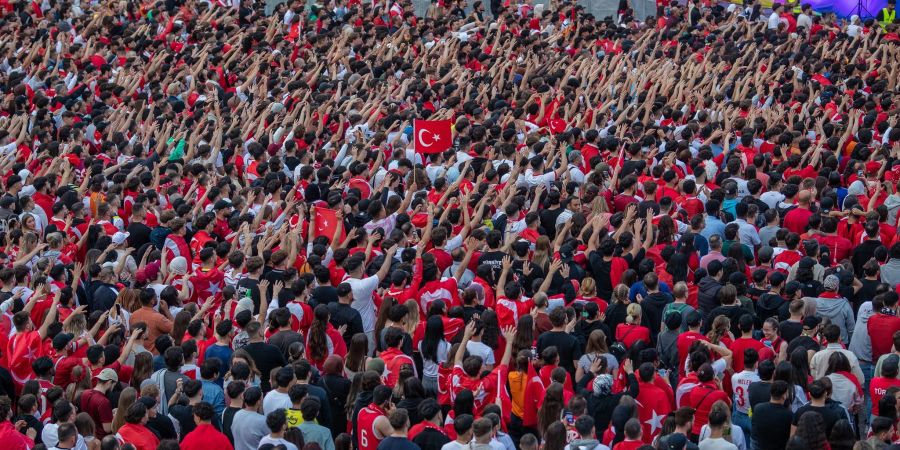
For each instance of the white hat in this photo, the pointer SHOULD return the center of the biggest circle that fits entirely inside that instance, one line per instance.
(120, 237)
(24, 174)
(178, 265)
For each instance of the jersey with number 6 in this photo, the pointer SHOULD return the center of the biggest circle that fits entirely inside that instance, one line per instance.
(740, 383)
(366, 436)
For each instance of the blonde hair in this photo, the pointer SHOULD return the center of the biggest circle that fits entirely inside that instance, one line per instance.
(680, 290)
(634, 313)
(719, 329)
(541, 256)
(588, 286)
(620, 293)
(412, 316)
(126, 398)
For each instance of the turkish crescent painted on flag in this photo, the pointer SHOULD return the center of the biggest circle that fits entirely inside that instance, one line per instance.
(432, 136)
(421, 136)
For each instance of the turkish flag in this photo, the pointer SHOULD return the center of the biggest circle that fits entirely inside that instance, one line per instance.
(326, 222)
(23, 349)
(432, 136)
(653, 409)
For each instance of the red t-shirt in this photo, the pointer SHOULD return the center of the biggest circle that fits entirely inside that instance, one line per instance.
(877, 388)
(701, 398)
(628, 445)
(797, 219)
(98, 407)
(629, 334)
(738, 347)
(881, 329)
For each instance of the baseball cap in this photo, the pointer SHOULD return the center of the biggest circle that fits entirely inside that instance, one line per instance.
(61, 340)
(811, 322)
(107, 375)
(676, 441)
(831, 283)
(221, 204)
(120, 237)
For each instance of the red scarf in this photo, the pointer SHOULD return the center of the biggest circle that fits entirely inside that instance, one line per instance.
(853, 379)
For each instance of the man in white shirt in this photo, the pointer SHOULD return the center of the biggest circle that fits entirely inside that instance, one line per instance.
(535, 175)
(804, 19)
(740, 383)
(363, 288)
(278, 398)
(463, 427)
(775, 17)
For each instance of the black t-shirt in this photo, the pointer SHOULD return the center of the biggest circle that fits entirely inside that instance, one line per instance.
(227, 420)
(567, 345)
(805, 342)
(266, 357)
(138, 234)
(494, 259)
(323, 295)
(397, 443)
(345, 315)
(600, 270)
(830, 416)
(470, 311)
(789, 330)
(249, 286)
(771, 425)
(548, 220)
(759, 392)
(284, 339)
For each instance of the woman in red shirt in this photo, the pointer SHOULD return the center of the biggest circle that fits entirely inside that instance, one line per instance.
(631, 331)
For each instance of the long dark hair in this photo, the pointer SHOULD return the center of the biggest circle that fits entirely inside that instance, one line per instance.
(434, 334)
(555, 435)
(784, 371)
(464, 403)
(317, 341)
(491, 336)
(811, 428)
(551, 409)
(524, 338)
(801, 368)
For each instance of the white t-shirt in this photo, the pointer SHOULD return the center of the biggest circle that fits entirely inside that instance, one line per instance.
(716, 444)
(279, 441)
(453, 445)
(480, 349)
(363, 288)
(774, 20)
(275, 400)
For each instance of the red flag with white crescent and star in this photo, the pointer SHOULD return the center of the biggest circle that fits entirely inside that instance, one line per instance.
(653, 407)
(326, 222)
(432, 136)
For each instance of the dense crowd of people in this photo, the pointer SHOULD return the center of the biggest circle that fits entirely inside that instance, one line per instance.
(220, 228)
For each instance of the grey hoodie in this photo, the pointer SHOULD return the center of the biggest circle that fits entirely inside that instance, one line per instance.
(892, 202)
(860, 343)
(586, 444)
(890, 272)
(838, 312)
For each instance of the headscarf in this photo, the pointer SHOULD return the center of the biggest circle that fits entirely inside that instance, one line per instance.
(603, 385)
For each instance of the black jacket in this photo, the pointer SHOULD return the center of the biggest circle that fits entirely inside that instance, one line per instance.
(601, 408)
(708, 294)
(430, 439)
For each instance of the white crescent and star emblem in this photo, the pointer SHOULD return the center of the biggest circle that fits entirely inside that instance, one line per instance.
(421, 136)
(655, 422)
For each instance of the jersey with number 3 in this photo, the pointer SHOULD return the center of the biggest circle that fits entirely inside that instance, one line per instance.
(366, 435)
(740, 383)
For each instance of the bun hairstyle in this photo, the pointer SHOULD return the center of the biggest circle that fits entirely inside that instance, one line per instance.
(634, 314)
